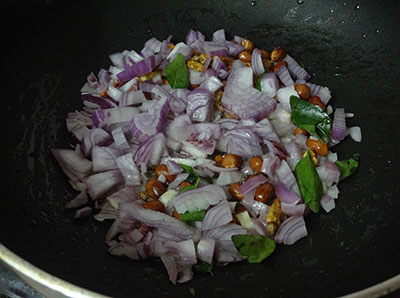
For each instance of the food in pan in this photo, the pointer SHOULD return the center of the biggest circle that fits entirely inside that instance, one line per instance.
(204, 152)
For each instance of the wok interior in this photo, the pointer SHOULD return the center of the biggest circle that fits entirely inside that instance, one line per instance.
(50, 51)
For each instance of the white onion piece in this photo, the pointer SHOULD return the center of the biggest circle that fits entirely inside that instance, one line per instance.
(332, 156)
(184, 251)
(281, 120)
(129, 169)
(256, 62)
(74, 165)
(245, 220)
(269, 84)
(355, 133)
(99, 184)
(333, 192)
(283, 96)
(291, 230)
(327, 202)
(285, 194)
(122, 249)
(285, 174)
(79, 200)
(293, 209)
(171, 266)
(227, 178)
(83, 212)
(218, 215)
(199, 198)
(205, 250)
(180, 48)
(158, 220)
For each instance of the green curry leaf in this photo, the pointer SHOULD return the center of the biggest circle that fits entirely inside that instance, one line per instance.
(177, 72)
(255, 247)
(348, 167)
(310, 118)
(310, 184)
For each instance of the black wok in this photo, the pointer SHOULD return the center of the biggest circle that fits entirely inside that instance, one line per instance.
(350, 46)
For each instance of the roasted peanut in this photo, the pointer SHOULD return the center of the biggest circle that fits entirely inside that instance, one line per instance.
(154, 205)
(274, 216)
(266, 63)
(163, 170)
(316, 100)
(239, 208)
(177, 215)
(317, 146)
(234, 191)
(302, 90)
(279, 65)
(218, 158)
(231, 161)
(264, 192)
(184, 184)
(228, 60)
(251, 177)
(247, 44)
(155, 188)
(234, 219)
(278, 54)
(256, 163)
(298, 130)
(264, 54)
(245, 56)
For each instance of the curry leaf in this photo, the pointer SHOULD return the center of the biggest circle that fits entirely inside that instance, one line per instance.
(193, 215)
(177, 72)
(348, 167)
(310, 184)
(258, 84)
(203, 267)
(193, 176)
(193, 186)
(311, 118)
(255, 247)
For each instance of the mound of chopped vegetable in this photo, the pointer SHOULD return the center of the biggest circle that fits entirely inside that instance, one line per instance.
(204, 152)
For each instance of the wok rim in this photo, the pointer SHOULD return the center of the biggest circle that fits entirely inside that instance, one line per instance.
(25, 269)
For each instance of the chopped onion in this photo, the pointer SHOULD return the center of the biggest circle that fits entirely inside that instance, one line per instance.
(284, 75)
(227, 178)
(256, 62)
(291, 230)
(295, 69)
(199, 198)
(338, 126)
(328, 203)
(218, 215)
(252, 184)
(284, 94)
(101, 183)
(285, 194)
(205, 250)
(200, 104)
(269, 84)
(355, 133)
(293, 209)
